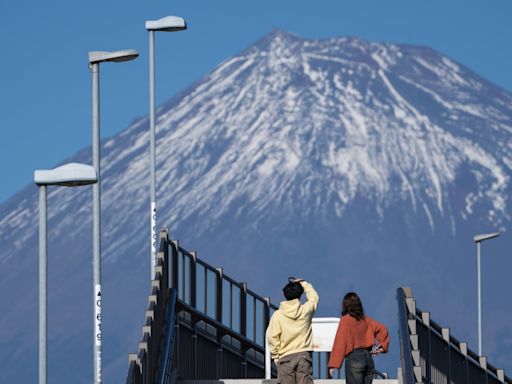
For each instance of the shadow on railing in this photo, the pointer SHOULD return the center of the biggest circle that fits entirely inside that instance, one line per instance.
(430, 354)
(154, 360)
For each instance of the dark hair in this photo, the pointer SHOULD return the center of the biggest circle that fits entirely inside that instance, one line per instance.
(352, 306)
(293, 291)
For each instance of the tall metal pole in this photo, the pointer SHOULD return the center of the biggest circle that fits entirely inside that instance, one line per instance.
(152, 212)
(95, 69)
(42, 286)
(479, 299)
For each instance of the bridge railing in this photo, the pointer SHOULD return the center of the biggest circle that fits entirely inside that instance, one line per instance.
(208, 290)
(151, 361)
(217, 308)
(431, 355)
(202, 324)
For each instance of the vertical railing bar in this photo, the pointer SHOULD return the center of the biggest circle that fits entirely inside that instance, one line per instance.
(319, 364)
(446, 338)
(186, 280)
(243, 326)
(254, 319)
(243, 310)
(175, 255)
(183, 282)
(231, 305)
(218, 314)
(205, 307)
(266, 316)
(193, 272)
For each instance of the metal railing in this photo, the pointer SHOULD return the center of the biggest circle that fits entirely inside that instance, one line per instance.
(218, 314)
(430, 354)
(153, 361)
(202, 324)
(165, 369)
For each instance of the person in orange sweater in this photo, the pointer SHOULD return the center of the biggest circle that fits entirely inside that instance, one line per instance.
(358, 338)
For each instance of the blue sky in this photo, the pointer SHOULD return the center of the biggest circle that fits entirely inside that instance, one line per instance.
(45, 92)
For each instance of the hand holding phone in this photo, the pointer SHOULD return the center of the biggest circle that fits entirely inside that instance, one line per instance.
(376, 349)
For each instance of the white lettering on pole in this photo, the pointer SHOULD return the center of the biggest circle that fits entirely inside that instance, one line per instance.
(97, 330)
(153, 232)
(97, 315)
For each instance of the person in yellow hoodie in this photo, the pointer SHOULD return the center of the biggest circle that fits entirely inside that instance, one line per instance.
(290, 336)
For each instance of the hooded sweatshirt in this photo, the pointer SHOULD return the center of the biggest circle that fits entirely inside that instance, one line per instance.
(289, 330)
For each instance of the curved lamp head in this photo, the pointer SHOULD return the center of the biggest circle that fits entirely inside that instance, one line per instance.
(68, 175)
(167, 24)
(485, 236)
(115, 56)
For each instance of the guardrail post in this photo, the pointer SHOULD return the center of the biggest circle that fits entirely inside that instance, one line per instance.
(193, 281)
(218, 309)
(164, 255)
(482, 360)
(445, 333)
(501, 375)
(218, 317)
(175, 265)
(464, 350)
(243, 326)
(266, 320)
(243, 310)
(425, 318)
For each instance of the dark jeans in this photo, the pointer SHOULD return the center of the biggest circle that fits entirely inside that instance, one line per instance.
(295, 369)
(359, 367)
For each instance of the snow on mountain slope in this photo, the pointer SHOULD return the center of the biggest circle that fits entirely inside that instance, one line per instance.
(337, 158)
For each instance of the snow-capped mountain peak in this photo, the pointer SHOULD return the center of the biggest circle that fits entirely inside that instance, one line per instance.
(341, 159)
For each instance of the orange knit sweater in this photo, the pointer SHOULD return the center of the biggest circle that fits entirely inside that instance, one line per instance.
(352, 334)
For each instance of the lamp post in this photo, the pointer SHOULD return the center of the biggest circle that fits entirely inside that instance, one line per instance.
(165, 24)
(478, 239)
(69, 175)
(95, 58)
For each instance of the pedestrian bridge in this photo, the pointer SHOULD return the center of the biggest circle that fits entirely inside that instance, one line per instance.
(274, 381)
(204, 327)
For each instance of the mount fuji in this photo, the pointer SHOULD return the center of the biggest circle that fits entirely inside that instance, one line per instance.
(356, 165)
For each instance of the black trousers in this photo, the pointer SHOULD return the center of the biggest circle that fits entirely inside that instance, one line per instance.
(359, 367)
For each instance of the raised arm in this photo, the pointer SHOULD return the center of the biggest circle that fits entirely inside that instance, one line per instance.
(311, 295)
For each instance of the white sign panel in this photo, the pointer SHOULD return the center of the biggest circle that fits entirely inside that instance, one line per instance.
(324, 331)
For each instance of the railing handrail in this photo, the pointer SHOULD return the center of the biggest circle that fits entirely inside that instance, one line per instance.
(143, 365)
(224, 276)
(455, 344)
(412, 318)
(165, 366)
(405, 343)
(221, 327)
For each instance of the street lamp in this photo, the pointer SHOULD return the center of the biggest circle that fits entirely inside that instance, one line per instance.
(95, 58)
(165, 24)
(478, 239)
(69, 175)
